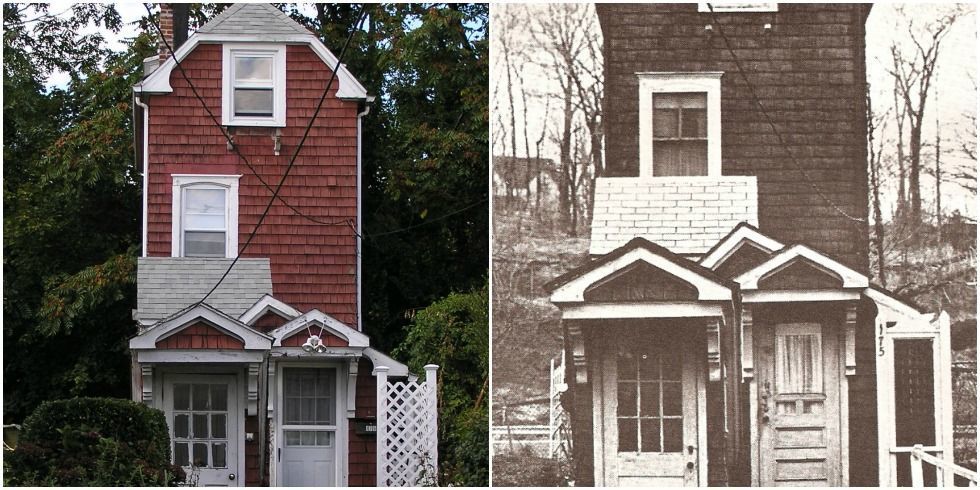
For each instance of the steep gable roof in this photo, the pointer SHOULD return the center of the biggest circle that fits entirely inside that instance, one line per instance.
(166, 285)
(252, 18)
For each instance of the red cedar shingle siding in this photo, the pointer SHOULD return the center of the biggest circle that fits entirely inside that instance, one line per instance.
(809, 73)
(313, 265)
(297, 340)
(253, 473)
(200, 336)
(269, 322)
(362, 459)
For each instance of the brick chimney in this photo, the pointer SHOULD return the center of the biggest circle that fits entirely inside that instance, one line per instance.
(167, 29)
(173, 25)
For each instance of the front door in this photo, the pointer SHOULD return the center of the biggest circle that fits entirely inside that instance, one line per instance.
(309, 427)
(649, 433)
(799, 412)
(202, 411)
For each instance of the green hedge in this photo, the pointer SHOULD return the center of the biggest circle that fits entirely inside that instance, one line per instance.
(93, 442)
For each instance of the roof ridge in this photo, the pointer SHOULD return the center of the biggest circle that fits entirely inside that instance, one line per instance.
(223, 16)
(243, 9)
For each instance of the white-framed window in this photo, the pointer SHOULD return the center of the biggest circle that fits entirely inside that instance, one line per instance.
(739, 7)
(205, 216)
(680, 124)
(253, 85)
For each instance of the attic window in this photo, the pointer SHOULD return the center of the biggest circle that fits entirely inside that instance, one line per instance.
(254, 85)
(680, 124)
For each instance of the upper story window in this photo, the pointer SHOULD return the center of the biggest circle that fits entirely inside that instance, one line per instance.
(254, 85)
(205, 215)
(738, 7)
(680, 124)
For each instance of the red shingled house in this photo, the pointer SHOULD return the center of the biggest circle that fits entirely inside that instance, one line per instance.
(724, 331)
(269, 381)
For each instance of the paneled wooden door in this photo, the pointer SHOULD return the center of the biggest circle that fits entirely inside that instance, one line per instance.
(799, 412)
(649, 427)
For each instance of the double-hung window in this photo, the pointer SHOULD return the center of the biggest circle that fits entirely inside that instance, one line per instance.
(680, 124)
(254, 85)
(205, 215)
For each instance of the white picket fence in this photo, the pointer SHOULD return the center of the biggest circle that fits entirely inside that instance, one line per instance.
(407, 452)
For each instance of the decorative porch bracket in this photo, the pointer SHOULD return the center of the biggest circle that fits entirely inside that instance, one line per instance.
(579, 363)
(747, 366)
(253, 389)
(270, 408)
(714, 348)
(146, 371)
(351, 386)
(850, 325)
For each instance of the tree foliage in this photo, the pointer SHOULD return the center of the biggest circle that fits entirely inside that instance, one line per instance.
(452, 333)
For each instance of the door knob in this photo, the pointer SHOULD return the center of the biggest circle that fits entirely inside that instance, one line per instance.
(231, 476)
(690, 465)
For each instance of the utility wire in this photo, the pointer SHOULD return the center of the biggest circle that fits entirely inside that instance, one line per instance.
(227, 136)
(433, 220)
(775, 130)
(299, 147)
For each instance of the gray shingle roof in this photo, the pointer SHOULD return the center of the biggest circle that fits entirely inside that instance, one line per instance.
(166, 285)
(252, 18)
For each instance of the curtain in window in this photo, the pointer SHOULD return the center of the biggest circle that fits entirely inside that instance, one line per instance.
(798, 364)
(680, 134)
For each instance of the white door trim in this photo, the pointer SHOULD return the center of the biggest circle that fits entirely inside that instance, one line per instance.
(341, 446)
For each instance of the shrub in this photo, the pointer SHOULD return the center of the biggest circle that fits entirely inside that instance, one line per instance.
(93, 442)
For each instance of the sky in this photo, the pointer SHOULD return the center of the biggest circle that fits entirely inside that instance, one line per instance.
(957, 95)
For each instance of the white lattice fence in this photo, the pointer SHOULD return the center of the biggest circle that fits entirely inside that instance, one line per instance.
(407, 430)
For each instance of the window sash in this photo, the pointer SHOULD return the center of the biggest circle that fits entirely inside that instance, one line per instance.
(204, 227)
(254, 85)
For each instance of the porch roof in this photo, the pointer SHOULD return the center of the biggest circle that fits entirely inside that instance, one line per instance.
(571, 286)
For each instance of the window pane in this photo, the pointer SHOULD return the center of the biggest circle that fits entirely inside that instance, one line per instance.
(672, 399)
(626, 399)
(292, 438)
(219, 423)
(219, 397)
(696, 100)
(799, 364)
(308, 438)
(679, 158)
(627, 435)
(650, 437)
(649, 359)
(253, 102)
(649, 399)
(204, 201)
(673, 436)
(181, 425)
(253, 68)
(182, 397)
(201, 397)
(204, 244)
(218, 455)
(626, 366)
(694, 123)
(324, 438)
(204, 221)
(181, 458)
(313, 401)
(200, 426)
(201, 454)
(665, 123)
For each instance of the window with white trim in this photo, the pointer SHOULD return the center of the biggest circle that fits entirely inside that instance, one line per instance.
(205, 215)
(254, 85)
(680, 124)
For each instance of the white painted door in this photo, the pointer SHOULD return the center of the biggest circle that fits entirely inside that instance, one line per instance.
(309, 427)
(202, 411)
(650, 424)
(799, 406)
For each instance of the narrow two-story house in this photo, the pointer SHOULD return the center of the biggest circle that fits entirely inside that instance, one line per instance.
(267, 379)
(724, 330)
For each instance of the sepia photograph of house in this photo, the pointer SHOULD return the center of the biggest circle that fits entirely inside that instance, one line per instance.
(746, 272)
(245, 245)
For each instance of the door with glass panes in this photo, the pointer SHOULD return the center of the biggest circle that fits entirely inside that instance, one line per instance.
(202, 411)
(649, 403)
(309, 427)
